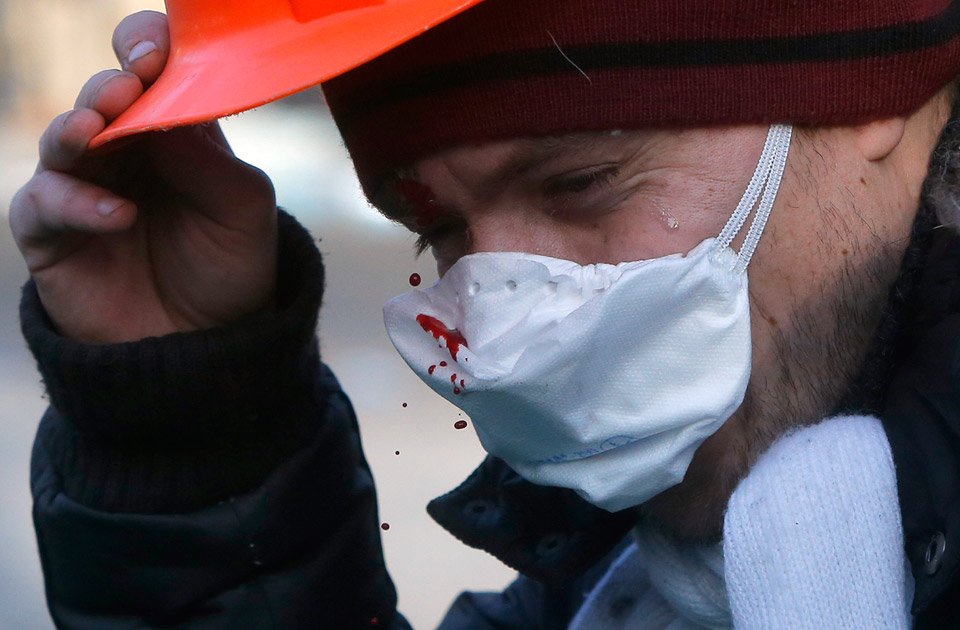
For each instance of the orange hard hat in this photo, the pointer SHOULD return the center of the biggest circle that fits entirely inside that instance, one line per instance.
(228, 57)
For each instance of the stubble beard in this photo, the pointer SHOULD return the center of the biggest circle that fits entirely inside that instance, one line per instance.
(818, 360)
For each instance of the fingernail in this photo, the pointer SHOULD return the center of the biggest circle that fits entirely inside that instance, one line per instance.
(140, 51)
(108, 207)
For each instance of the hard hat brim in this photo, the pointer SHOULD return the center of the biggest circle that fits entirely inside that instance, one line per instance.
(264, 62)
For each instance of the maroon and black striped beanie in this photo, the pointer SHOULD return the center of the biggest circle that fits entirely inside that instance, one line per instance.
(514, 68)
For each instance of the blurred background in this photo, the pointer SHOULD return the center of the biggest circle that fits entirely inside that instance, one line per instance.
(47, 50)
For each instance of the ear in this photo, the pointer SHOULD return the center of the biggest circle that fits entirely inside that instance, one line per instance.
(878, 139)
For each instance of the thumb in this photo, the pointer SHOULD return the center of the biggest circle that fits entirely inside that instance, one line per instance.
(199, 165)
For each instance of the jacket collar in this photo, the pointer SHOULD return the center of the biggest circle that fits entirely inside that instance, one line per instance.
(921, 416)
(549, 534)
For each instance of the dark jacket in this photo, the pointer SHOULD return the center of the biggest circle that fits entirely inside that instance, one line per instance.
(172, 488)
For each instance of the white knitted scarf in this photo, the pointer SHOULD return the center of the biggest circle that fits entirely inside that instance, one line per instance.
(812, 539)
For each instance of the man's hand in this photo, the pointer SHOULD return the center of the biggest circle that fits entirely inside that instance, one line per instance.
(168, 233)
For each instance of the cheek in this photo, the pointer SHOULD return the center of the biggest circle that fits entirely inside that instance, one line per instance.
(653, 229)
(799, 252)
(799, 264)
(672, 214)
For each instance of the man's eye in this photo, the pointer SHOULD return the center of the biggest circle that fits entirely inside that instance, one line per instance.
(580, 181)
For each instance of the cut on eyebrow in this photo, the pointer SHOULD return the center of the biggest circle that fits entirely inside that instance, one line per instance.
(388, 201)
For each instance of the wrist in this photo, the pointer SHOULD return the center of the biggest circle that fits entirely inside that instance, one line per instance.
(231, 401)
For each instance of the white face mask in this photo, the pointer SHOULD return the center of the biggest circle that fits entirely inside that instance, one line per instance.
(600, 378)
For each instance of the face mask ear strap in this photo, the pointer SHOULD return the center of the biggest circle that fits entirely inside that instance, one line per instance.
(763, 186)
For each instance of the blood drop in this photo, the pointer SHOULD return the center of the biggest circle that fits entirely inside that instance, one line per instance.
(385, 526)
(431, 369)
(415, 280)
(460, 424)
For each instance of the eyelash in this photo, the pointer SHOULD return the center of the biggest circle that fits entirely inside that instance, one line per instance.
(581, 182)
(429, 237)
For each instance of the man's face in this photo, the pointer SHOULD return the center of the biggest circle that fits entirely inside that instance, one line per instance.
(817, 282)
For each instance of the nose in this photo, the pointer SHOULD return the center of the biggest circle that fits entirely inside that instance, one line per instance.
(499, 230)
(503, 230)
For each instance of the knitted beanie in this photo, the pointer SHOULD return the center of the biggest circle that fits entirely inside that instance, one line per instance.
(515, 68)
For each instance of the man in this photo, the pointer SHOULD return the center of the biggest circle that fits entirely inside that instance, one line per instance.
(198, 466)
